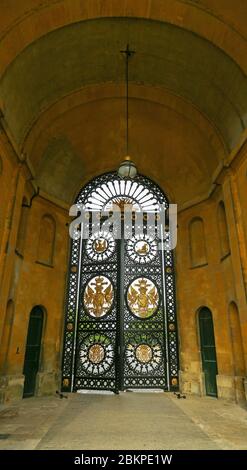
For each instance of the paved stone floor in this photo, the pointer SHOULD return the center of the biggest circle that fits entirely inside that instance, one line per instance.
(126, 421)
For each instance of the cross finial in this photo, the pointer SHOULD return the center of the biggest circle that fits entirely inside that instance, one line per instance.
(128, 52)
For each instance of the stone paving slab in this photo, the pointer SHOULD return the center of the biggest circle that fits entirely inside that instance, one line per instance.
(126, 421)
(223, 421)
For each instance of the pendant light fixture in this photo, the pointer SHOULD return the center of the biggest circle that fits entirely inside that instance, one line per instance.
(127, 168)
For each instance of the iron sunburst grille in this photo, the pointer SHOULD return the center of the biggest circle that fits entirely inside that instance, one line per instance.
(103, 191)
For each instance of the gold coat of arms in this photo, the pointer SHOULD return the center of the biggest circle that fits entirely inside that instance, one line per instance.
(98, 296)
(143, 297)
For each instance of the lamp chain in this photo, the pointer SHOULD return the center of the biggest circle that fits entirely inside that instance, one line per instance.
(128, 53)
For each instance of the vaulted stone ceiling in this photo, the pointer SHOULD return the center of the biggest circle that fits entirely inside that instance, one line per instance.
(62, 89)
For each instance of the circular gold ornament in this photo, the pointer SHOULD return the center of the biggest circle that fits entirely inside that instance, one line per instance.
(100, 245)
(142, 248)
(144, 353)
(96, 353)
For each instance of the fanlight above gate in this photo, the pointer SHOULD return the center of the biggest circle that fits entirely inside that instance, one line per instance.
(108, 190)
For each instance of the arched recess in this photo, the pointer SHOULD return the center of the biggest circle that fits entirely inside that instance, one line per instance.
(223, 230)
(21, 234)
(198, 251)
(47, 235)
(120, 324)
(6, 335)
(208, 350)
(33, 350)
(236, 339)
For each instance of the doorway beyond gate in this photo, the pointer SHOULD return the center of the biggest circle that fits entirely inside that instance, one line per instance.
(32, 355)
(208, 351)
(120, 328)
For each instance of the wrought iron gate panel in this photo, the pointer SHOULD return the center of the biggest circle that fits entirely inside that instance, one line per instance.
(172, 338)
(143, 314)
(96, 351)
(71, 316)
(120, 327)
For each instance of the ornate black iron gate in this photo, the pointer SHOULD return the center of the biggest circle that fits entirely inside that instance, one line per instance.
(120, 329)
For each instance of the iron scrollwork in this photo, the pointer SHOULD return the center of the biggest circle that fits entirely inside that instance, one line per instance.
(120, 325)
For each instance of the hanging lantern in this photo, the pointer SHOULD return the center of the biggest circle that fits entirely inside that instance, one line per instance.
(127, 168)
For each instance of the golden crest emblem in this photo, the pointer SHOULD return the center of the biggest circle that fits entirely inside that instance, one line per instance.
(144, 353)
(143, 297)
(142, 248)
(96, 353)
(100, 245)
(98, 296)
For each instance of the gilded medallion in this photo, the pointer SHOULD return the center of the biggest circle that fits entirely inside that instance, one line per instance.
(143, 357)
(96, 354)
(98, 296)
(100, 246)
(142, 248)
(144, 353)
(142, 297)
